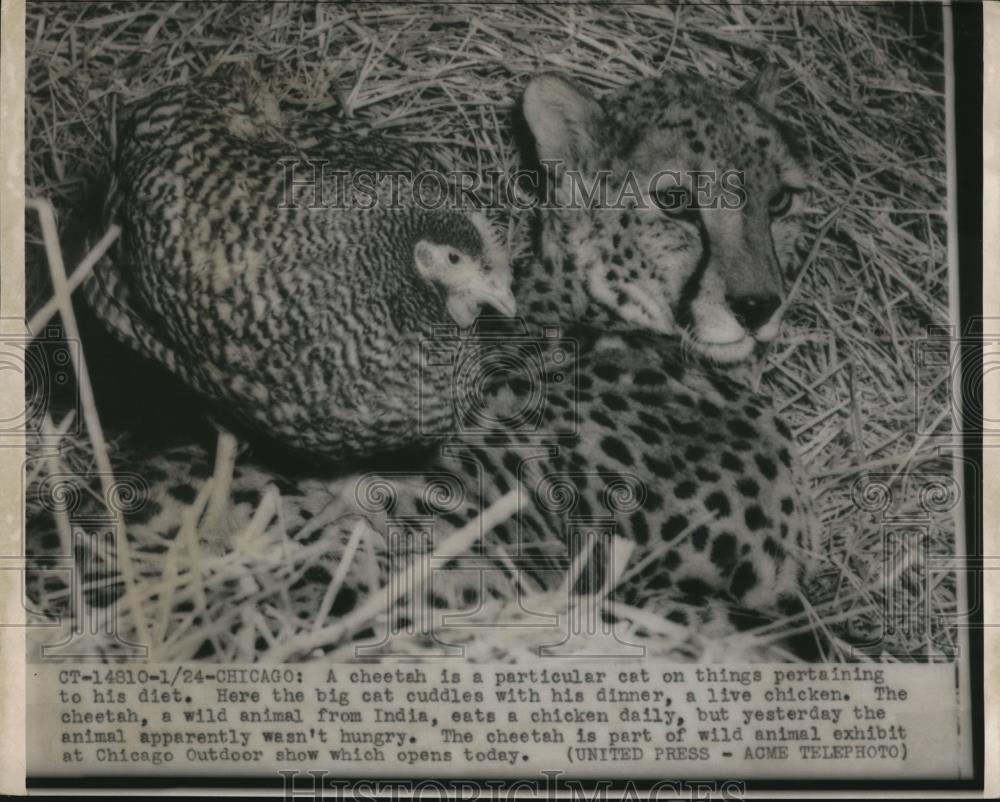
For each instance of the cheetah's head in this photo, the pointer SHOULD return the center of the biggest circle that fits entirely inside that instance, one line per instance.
(672, 203)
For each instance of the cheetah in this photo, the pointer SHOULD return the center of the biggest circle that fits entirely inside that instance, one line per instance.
(716, 505)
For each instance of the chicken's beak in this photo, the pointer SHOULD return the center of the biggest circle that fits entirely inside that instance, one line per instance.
(465, 305)
(491, 292)
(502, 299)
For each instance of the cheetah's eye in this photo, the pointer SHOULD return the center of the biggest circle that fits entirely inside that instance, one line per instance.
(781, 202)
(675, 202)
(453, 257)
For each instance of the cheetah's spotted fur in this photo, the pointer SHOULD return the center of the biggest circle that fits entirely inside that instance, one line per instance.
(695, 468)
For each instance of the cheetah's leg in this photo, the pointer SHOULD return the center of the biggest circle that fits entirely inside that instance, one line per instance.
(215, 523)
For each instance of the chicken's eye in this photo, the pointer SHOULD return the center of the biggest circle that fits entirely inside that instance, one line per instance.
(453, 257)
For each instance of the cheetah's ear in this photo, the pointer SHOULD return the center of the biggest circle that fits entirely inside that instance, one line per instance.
(564, 119)
(763, 88)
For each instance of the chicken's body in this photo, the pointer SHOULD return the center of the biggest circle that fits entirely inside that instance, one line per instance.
(304, 322)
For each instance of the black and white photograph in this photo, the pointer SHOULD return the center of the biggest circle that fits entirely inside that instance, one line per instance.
(555, 392)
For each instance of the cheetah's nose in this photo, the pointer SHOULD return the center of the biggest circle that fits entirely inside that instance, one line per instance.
(753, 311)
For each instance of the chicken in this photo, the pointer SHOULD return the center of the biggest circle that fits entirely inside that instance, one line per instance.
(304, 320)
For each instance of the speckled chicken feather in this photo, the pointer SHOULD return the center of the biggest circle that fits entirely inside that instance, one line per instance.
(304, 322)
